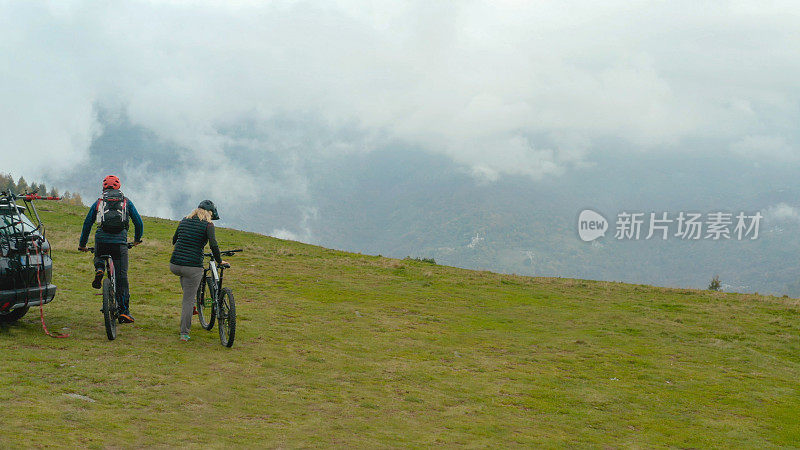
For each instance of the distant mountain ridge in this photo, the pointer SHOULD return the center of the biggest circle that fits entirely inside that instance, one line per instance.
(400, 201)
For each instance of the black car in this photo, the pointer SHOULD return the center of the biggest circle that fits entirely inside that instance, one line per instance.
(26, 269)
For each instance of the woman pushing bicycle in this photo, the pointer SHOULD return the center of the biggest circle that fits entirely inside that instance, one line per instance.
(193, 232)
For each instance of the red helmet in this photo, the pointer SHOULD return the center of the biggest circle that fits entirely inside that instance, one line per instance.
(111, 182)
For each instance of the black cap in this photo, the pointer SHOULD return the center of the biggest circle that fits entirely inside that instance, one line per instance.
(208, 205)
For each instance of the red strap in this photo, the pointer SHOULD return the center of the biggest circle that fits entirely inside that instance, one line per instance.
(41, 299)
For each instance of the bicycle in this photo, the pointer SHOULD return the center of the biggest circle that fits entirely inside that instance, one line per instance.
(219, 304)
(110, 308)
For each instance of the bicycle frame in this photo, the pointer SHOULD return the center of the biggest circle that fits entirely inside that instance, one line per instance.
(212, 273)
(109, 262)
(110, 309)
(217, 274)
(111, 273)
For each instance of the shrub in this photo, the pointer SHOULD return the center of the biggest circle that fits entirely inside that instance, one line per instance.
(425, 260)
(715, 285)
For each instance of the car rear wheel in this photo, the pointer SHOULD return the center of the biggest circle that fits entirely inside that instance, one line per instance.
(14, 315)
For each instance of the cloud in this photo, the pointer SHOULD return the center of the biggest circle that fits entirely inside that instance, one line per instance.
(501, 87)
(766, 147)
(282, 233)
(305, 234)
(782, 212)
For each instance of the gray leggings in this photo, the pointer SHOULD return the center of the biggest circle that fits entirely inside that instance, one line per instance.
(190, 281)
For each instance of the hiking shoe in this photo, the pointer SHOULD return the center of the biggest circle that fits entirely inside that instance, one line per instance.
(125, 318)
(185, 337)
(98, 279)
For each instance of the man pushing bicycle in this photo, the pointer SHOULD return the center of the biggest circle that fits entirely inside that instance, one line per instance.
(112, 212)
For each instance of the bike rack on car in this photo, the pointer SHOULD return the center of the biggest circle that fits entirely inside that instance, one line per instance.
(18, 238)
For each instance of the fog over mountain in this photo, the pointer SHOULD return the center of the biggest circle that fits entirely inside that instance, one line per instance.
(472, 132)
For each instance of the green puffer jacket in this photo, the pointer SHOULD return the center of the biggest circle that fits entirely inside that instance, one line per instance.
(190, 239)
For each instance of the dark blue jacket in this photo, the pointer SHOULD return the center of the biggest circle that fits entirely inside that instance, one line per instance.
(111, 238)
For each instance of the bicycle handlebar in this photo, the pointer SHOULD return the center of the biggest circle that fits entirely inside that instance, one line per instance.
(128, 244)
(226, 253)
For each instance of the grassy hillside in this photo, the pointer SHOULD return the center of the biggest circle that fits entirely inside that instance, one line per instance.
(340, 349)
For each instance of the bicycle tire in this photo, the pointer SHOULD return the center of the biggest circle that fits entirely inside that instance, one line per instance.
(205, 305)
(227, 318)
(109, 309)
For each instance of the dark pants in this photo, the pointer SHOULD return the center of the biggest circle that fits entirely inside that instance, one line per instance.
(119, 254)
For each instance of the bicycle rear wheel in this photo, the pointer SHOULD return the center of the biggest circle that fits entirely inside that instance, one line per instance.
(227, 318)
(110, 309)
(205, 304)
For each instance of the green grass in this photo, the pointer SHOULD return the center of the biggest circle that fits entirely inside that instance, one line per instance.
(347, 350)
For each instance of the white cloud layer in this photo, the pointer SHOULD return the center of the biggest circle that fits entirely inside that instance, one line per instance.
(782, 212)
(502, 87)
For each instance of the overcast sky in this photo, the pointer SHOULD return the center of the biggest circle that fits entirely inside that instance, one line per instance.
(503, 87)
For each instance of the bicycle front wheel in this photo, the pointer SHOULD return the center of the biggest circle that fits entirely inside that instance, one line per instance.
(110, 309)
(227, 317)
(205, 304)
